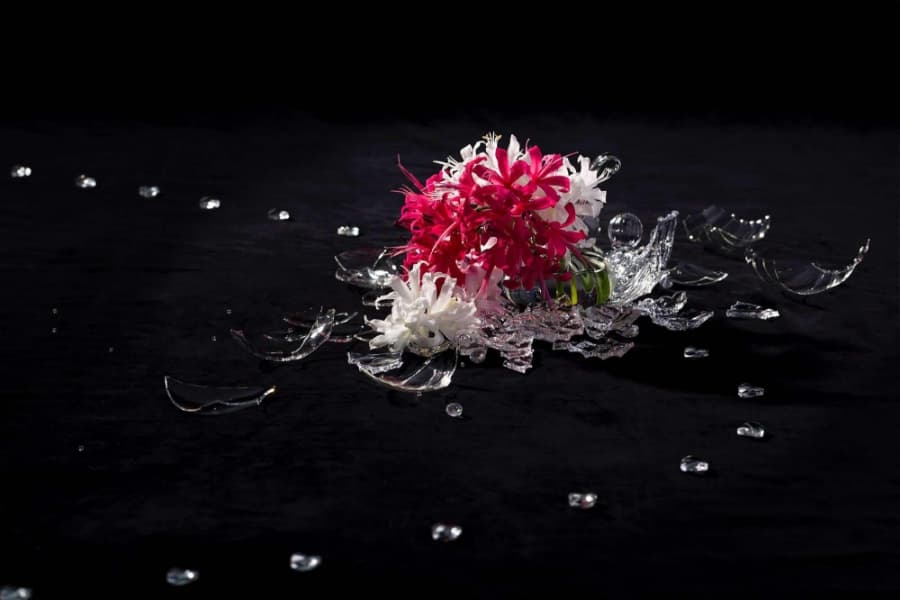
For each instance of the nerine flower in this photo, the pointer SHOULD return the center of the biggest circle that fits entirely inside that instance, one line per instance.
(510, 209)
(426, 313)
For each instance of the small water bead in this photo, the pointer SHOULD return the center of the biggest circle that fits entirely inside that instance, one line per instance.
(81, 447)
(745, 390)
(54, 311)
(694, 465)
(85, 182)
(111, 349)
(583, 500)
(20, 172)
(276, 214)
(149, 191)
(442, 532)
(228, 311)
(209, 203)
(303, 563)
(752, 429)
(53, 331)
(213, 338)
(179, 577)
(626, 230)
(454, 409)
(8, 592)
(348, 231)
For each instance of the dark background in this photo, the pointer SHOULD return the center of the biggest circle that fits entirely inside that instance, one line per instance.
(762, 109)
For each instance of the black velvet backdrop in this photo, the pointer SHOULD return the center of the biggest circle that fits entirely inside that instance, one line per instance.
(105, 485)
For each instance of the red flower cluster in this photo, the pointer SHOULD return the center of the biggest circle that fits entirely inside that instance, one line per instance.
(487, 215)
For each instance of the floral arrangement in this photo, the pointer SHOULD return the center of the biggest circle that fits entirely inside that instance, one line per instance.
(494, 220)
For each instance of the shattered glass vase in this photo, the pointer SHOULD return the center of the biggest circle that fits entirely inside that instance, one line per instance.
(635, 271)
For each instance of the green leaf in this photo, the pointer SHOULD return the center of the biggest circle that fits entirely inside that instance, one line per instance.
(604, 287)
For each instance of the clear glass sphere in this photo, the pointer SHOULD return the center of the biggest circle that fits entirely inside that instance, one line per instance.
(625, 229)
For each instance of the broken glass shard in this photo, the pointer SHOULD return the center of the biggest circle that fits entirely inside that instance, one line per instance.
(416, 374)
(206, 399)
(745, 390)
(692, 352)
(692, 464)
(209, 203)
(720, 229)
(348, 231)
(602, 349)
(148, 191)
(179, 577)
(85, 182)
(377, 299)
(275, 349)
(376, 362)
(606, 165)
(345, 328)
(802, 277)
(752, 429)
(747, 310)
(691, 318)
(277, 214)
(690, 275)
(371, 268)
(442, 532)
(303, 563)
(664, 305)
(20, 171)
(625, 229)
(581, 500)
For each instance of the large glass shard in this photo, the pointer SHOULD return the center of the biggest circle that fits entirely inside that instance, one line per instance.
(275, 349)
(345, 329)
(549, 323)
(416, 374)
(371, 268)
(802, 277)
(601, 320)
(663, 306)
(717, 228)
(690, 275)
(217, 400)
(636, 271)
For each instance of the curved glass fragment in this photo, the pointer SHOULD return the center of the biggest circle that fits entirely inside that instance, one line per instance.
(634, 272)
(691, 275)
(376, 362)
(371, 268)
(602, 349)
(691, 318)
(345, 328)
(716, 227)
(606, 165)
(416, 374)
(276, 349)
(205, 399)
(801, 277)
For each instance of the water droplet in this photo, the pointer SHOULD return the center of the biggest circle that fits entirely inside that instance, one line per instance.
(209, 203)
(276, 214)
(752, 429)
(581, 500)
(692, 464)
(149, 191)
(305, 562)
(348, 231)
(81, 447)
(691, 352)
(454, 409)
(625, 229)
(441, 532)
(227, 311)
(745, 390)
(85, 182)
(8, 592)
(179, 577)
(54, 311)
(20, 171)
(111, 349)
(53, 331)
(746, 310)
(213, 338)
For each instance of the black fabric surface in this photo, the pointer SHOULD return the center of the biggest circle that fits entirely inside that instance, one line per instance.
(336, 466)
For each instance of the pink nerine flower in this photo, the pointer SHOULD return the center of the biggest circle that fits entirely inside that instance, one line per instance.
(509, 210)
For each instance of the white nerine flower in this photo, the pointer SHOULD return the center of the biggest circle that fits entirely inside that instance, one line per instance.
(421, 316)
(584, 192)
